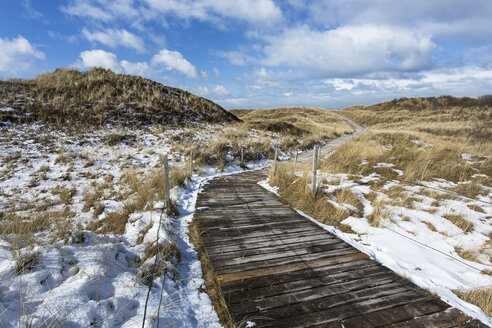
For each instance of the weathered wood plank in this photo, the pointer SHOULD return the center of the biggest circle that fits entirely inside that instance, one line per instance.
(296, 266)
(221, 270)
(309, 246)
(346, 270)
(315, 313)
(210, 237)
(359, 289)
(396, 314)
(307, 240)
(296, 241)
(213, 241)
(281, 253)
(309, 282)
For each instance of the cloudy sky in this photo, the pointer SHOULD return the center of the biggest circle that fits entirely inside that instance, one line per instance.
(262, 53)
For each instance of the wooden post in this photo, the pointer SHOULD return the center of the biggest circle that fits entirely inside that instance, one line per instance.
(191, 163)
(242, 154)
(295, 158)
(315, 168)
(319, 151)
(167, 200)
(275, 160)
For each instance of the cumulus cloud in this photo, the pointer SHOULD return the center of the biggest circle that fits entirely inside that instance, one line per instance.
(348, 50)
(173, 60)
(17, 55)
(114, 38)
(101, 58)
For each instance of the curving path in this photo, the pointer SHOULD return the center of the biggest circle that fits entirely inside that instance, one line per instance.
(278, 269)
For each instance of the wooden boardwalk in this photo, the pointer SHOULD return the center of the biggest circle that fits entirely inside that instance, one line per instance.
(278, 269)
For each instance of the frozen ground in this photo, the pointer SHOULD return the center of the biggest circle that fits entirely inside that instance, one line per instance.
(55, 271)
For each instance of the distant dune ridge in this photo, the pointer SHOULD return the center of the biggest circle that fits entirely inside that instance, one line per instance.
(68, 97)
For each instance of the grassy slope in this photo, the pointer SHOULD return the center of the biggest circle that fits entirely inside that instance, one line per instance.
(101, 97)
(311, 124)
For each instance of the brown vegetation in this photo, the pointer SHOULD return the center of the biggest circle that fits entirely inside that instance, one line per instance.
(296, 192)
(68, 97)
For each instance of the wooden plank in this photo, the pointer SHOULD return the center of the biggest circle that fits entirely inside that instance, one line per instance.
(308, 282)
(360, 289)
(315, 313)
(449, 318)
(346, 270)
(282, 261)
(309, 246)
(254, 225)
(251, 274)
(396, 314)
(218, 241)
(210, 237)
(287, 251)
(295, 241)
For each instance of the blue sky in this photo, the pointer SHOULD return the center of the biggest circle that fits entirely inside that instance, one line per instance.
(262, 53)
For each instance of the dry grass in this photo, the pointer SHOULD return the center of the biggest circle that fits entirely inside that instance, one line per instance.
(379, 214)
(69, 98)
(449, 117)
(468, 254)
(481, 297)
(303, 125)
(169, 252)
(212, 287)
(295, 191)
(418, 161)
(460, 222)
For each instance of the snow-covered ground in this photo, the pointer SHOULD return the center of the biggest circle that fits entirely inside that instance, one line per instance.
(417, 241)
(75, 277)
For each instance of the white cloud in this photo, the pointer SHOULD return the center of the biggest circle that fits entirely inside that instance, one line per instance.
(87, 9)
(114, 38)
(349, 50)
(251, 11)
(17, 55)
(466, 20)
(141, 69)
(173, 60)
(220, 90)
(101, 58)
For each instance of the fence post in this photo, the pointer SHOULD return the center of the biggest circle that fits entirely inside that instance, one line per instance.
(275, 160)
(319, 151)
(315, 168)
(242, 155)
(167, 201)
(191, 163)
(295, 158)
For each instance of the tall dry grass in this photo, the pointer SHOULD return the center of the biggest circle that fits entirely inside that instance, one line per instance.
(297, 192)
(70, 98)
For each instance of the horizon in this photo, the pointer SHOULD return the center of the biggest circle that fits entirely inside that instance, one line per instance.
(262, 53)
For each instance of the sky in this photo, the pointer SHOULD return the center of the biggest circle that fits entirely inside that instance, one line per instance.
(261, 53)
